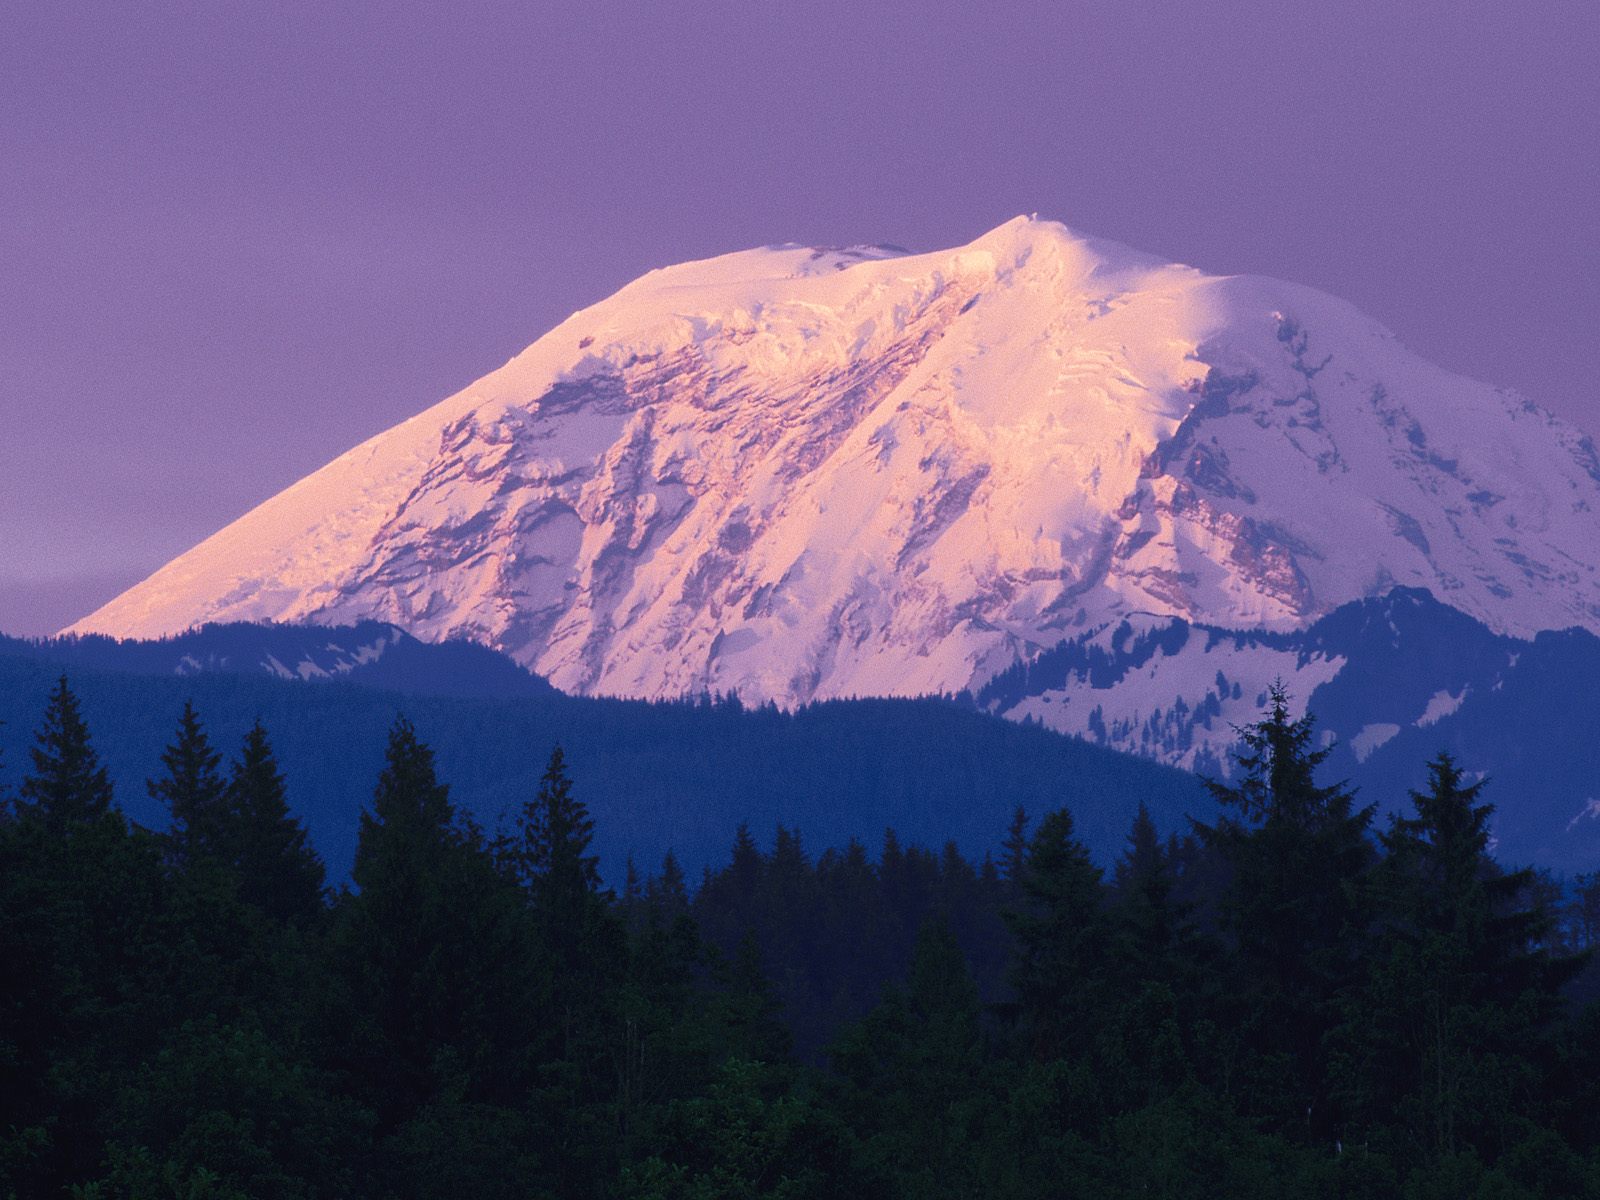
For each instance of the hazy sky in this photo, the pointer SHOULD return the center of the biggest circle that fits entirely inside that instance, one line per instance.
(238, 237)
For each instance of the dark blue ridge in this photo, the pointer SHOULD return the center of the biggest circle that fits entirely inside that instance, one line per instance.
(401, 663)
(656, 776)
(682, 775)
(1527, 712)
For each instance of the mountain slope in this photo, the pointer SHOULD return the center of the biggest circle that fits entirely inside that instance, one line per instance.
(1392, 681)
(798, 473)
(656, 776)
(370, 653)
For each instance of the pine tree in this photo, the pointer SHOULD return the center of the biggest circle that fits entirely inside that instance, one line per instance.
(195, 795)
(1059, 926)
(68, 785)
(562, 877)
(1293, 910)
(86, 981)
(1014, 850)
(433, 949)
(1440, 1038)
(1155, 931)
(278, 870)
(584, 952)
(913, 1075)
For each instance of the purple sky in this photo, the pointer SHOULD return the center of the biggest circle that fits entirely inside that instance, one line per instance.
(237, 238)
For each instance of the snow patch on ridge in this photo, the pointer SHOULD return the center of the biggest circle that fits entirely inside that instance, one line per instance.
(1181, 698)
(1371, 737)
(1441, 705)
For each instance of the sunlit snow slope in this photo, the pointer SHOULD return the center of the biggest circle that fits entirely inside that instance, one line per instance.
(799, 473)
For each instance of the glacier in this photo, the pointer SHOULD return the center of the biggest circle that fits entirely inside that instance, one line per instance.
(796, 473)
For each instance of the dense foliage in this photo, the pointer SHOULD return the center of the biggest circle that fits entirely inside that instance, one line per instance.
(1286, 1001)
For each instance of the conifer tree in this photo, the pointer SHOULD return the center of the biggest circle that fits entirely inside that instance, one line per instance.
(86, 980)
(662, 1046)
(1155, 931)
(1462, 987)
(747, 867)
(1014, 849)
(562, 877)
(911, 1065)
(1293, 910)
(278, 870)
(432, 948)
(1059, 926)
(1153, 1037)
(632, 893)
(1439, 862)
(68, 784)
(584, 952)
(194, 794)
(667, 893)
(750, 1014)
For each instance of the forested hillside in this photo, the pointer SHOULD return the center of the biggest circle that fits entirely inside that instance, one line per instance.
(1293, 999)
(671, 776)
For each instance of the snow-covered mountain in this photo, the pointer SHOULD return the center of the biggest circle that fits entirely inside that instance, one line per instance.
(798, 473)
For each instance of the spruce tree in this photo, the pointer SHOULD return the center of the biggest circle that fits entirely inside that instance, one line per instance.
(194, 794)
(1014, 849)
(667, 893)
(562, 877)
(584, 958)
(662, 1044)
(1440, 864)
(68, 785)
(1158, 1030)
(748, 867)
(90, 972)
(1293, 911)
(1060, 930)
(432, 947)
(1441, 1039)
(749, 1012)
(278, 870)
(913, 1077)
(1156, 937)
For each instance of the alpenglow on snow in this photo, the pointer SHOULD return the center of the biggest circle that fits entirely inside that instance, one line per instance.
(795, 473)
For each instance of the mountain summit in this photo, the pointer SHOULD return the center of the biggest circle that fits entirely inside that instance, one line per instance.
(797, 472)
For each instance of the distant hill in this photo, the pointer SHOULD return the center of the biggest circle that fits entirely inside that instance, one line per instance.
(1392, 680)
(370, 653)
(656, 776)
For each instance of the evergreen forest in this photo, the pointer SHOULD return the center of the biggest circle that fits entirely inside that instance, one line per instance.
(1291, 998)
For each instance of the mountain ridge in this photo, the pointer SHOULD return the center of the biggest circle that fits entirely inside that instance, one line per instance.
(797, 473)
(656, 776)
(1391, 681)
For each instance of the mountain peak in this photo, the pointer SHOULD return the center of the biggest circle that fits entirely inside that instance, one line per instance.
(1018, 240)
(798, 472)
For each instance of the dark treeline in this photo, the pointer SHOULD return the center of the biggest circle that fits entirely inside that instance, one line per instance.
(1291, 1001)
